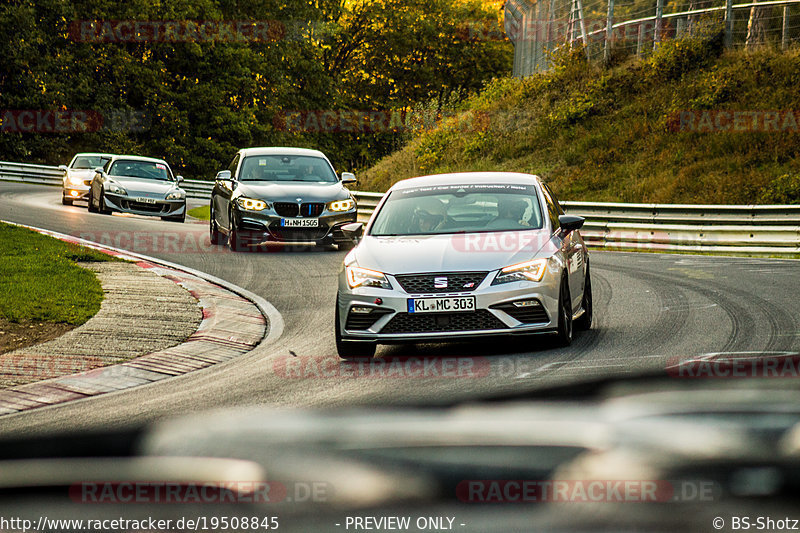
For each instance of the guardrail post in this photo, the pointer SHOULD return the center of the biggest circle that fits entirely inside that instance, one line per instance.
(785, 28)
(657, 31)
(609, 31)
(728, 23)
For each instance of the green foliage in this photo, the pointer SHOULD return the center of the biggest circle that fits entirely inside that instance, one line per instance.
(205, 100)
(609, 133)
(39, 280)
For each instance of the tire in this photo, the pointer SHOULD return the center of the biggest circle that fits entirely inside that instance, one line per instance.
(349, 349)
(585, 321)
(66, 201)
(234, 242)
(181, 219)
(214, 235)
(92, 208)
(345, 246)
(564, 333)
(102, 209)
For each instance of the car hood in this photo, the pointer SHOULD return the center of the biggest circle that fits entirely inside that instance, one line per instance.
(81, 173)
(291, 191)
(451, 253)
(144, 187)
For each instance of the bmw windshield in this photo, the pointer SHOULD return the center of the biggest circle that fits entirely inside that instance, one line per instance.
(287, 168)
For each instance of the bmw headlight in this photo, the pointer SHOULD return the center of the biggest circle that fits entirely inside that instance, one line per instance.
(175, 195)
(364, 277)
(251, 204)
(116, 189)
(527, 271)
(342, 205)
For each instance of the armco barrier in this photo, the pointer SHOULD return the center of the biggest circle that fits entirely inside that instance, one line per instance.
(771, 230)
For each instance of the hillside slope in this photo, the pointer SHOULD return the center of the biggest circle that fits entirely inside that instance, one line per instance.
(651, 130)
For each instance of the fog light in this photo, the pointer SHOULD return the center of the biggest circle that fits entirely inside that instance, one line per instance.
(361, 310)
(73, 193)
(527, 303)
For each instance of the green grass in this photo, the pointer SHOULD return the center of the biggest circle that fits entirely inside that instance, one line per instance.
(613, 134)
(202, 212)
(40, 280)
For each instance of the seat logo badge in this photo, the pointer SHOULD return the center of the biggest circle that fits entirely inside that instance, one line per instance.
(440, 282)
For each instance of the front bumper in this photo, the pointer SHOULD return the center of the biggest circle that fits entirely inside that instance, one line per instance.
(76, 190)
(390, 322)
(129, 204)
(265, 226)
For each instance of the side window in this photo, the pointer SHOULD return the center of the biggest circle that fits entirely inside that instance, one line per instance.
(233, 165)
(552, 209)
(555, 201)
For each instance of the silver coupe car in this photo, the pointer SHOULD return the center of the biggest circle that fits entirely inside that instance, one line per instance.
(78, 175)
(137, 185)
(455, 256)
(281, 195)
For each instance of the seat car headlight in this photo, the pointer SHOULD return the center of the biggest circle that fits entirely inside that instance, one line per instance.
(364, 277)
(175, 195)
(342, 205)
(251, 204)
(527, 271)
(116, 189)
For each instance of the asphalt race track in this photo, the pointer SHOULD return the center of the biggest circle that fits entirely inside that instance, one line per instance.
(650, 311)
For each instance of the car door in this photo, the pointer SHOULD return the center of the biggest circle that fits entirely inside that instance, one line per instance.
(221, 196)
(572, 248)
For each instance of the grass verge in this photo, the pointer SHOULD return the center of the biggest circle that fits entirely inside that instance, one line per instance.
(41, 281)
(201, 213)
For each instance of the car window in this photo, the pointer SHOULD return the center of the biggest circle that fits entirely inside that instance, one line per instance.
(287, 168)
(233, 165)
(89, 162)
(552, 209)
(140, 169)
(458, 209)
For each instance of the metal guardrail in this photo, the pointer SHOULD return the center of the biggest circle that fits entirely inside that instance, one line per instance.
(770, 230)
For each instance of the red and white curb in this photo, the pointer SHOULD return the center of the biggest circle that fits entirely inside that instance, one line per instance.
(234, 322)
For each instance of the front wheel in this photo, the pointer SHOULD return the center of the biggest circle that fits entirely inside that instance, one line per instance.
(234, 240)
(564, 333)
(585, 320)
(92, 208)
(179, 218)
(350, 349)
(102, 207)
(66, 201)
(214, 235)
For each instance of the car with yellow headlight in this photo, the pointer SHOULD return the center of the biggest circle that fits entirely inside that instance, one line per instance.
(275, 194)
(459, 256)
(78, 176)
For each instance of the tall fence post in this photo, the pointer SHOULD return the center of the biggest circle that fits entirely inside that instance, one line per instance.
(785, 28)
(609, 31)
(657, 30)
(583, 28)
(639, 40)
(728, 23)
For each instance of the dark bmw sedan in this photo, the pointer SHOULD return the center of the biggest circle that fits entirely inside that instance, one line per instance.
(281, 195)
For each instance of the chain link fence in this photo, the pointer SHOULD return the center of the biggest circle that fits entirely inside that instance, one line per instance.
(635, 27)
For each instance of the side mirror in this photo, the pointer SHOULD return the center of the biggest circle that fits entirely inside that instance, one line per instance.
(99, 170)
(570, 223)
(62, 168)
(348, 177)
(223, 175)
(179, 178)
(353, 231)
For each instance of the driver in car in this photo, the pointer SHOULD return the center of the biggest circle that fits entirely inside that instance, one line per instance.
(429, 216)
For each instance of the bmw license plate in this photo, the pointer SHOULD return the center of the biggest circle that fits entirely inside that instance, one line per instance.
(299, 222)
(441, 305)
(143, 200)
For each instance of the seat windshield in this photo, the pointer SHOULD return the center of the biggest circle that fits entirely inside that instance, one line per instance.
(459, 209)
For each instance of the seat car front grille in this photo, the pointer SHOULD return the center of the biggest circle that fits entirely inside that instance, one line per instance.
(441, 322)
(440, 282)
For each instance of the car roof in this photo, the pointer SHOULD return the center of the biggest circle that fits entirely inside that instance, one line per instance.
(281, 150)
(139, 158)
(92, 154)
(461, 178)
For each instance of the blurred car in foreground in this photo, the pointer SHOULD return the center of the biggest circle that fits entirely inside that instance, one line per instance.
(138, 185)
(78, 175)
(281, 195)
(463, 255)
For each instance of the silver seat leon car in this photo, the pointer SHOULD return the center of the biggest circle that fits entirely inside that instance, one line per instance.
(456, 256)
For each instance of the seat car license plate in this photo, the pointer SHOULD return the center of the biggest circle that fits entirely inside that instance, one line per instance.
(441, 305)
(143, 200)
(300, 222)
